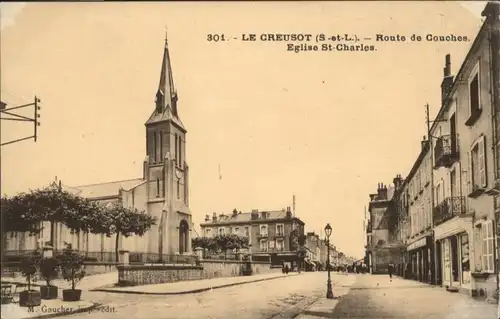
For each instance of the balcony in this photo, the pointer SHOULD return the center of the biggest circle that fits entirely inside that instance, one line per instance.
(262, 235)
(446, 151)
(449, 208)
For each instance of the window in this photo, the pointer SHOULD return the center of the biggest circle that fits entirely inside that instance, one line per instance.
(222, 231)
(161, 145)
(247, 231)
(263, 245)
(263, 230)
(176, 148)
(157, 187)
(280, 230)
(208, 232)
(178, 188)
(478, 164)
(474, 96)
(485, 245)
(154, 147)
(236, 230)
(180, 152)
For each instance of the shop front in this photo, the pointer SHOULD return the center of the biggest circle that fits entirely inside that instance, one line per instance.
(419, 261)
(453, 242)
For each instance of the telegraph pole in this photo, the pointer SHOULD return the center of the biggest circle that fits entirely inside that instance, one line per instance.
(4, 110)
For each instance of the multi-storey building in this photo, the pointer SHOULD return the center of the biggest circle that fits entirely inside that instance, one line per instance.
(314, 250)
(464, 175)
(380, 250)
(162, 191)
(462, 150)
(273, 235)
(418, 199)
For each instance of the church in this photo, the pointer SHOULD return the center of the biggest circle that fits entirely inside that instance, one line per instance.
(163, 190)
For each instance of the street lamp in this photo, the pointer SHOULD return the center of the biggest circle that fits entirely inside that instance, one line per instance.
(329, 291)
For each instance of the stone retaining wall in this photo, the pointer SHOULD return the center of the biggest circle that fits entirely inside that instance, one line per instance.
(12, 270)
(132, 275)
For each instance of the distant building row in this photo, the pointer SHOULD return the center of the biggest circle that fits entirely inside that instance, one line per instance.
(277, 236)
(441, 223)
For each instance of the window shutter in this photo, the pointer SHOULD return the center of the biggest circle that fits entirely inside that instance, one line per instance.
(482, 162)
(470, 181)
(491, 244)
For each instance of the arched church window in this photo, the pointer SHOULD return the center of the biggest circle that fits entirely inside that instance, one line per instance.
(154, 147)
(157, 187)
(161, 145)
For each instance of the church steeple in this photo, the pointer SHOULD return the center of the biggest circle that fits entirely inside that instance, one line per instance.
(166, 94)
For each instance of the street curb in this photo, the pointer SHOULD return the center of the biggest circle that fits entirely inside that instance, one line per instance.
(188, 291)
(67, 313)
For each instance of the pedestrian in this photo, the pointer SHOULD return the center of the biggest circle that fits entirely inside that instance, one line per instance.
(286, 269)
(391, 269)
(283, 268)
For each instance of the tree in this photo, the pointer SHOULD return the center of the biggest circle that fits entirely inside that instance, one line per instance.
(120, 220)
(207, 243)
(25, 211)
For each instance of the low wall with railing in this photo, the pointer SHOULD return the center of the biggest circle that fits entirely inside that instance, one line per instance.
(132, 275)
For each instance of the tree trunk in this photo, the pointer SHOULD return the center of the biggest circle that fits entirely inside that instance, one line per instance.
(73, 279)
(116, 246)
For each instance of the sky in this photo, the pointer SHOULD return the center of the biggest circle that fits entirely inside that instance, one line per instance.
(325, 127)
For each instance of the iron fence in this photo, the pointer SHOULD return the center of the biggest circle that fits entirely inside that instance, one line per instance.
(153, 258)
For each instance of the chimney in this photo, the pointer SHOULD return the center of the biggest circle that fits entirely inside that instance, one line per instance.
(288, 212)
(207, 218)
(214, 217)
(397, 181)
(424, 143)
(235, 212)
(264, 215)
(255, 214)
(382, 192)
(447, 82)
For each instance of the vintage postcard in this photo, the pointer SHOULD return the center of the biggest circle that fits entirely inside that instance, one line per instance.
(250, 159)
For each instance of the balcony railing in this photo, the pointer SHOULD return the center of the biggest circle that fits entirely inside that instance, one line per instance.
(446, 150)
(449, 208)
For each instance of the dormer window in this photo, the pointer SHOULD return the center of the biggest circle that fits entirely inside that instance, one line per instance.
(159, 102)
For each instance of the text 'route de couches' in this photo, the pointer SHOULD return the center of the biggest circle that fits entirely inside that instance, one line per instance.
(321, 42)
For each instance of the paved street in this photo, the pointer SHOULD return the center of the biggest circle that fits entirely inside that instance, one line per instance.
(301, 297)
(277, 298)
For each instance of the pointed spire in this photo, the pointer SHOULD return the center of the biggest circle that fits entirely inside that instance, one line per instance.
(167, 95)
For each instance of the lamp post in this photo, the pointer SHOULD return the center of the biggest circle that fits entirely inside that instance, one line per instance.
(329, 291)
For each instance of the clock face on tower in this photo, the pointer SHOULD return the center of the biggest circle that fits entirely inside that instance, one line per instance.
(178, 173)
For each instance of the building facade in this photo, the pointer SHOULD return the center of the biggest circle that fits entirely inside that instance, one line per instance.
(446, 210)
(380, 250)
(313, 246)
(163, 190)
(465, 172)
(273, 235)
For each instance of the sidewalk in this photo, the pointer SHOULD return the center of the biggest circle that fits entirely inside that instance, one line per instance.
(193, 286)
(58, 307)
(376, 296)
(48, 309)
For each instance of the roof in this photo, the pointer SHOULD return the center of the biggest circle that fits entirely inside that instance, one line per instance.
(246, 217)
(103, 189)
(166, 115)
